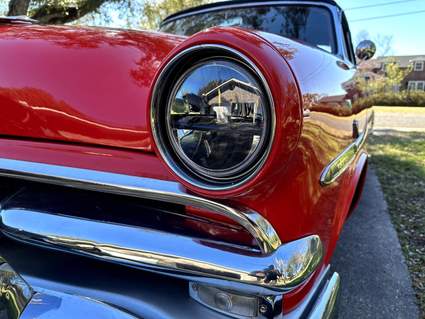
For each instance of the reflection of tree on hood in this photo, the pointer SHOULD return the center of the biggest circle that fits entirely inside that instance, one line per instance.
(54, 12)
(135, 14)
(296, 18)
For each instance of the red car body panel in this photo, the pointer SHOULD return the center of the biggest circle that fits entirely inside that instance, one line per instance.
(79, 85)
(80, 97)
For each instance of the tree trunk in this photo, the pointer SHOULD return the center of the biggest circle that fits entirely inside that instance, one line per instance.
(18, 7)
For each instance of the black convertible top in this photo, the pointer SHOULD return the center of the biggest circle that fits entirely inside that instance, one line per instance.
(233, 2)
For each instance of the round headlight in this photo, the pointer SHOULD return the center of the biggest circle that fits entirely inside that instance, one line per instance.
(217, 120)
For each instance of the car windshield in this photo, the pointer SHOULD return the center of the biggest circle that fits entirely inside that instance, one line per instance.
(309, 24)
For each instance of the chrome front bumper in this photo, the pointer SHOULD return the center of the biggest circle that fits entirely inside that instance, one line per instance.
(326, 305)
(167, 253)
(19, 300)
(322, 300)
(273, 269)
(266, 271)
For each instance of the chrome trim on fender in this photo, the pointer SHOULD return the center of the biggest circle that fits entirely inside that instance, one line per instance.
(340, 164)
(15, 293)
(326, 305)
(148, 188)
(175, 255)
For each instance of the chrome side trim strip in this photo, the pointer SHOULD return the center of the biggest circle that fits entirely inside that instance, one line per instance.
(340, 164)
(148, 188)
(325, 307)
(15, 293)
(170, 254)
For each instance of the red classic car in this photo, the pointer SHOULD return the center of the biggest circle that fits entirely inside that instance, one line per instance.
(204, 171)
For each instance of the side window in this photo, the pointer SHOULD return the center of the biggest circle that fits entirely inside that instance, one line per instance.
(416, 86)
(347, 40)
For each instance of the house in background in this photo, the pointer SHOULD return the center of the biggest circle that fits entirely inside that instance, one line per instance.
(415, 80)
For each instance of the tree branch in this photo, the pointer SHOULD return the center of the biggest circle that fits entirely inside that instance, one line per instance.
(51, 14)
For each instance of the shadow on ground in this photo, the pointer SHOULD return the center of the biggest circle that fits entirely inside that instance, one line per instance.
(375, 279)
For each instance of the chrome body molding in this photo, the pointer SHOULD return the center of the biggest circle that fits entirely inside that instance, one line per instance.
(175, 255)
(148, 188)
(326, 305)
(15, 293)
(340, 164)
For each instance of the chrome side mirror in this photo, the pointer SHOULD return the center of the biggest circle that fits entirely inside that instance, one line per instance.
(365, 50)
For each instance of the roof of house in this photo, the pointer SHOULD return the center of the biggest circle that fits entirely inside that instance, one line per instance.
(219, 4)
(402, 60)
(229, 84)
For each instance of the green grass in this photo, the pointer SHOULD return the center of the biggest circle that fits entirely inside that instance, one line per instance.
(399, 160)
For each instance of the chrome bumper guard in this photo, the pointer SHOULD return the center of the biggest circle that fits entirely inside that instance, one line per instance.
(275, 269)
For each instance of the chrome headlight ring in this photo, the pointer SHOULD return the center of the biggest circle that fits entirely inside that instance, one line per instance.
(213, 117)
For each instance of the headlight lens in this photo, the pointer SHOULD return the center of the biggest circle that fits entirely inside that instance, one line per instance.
(218, 119)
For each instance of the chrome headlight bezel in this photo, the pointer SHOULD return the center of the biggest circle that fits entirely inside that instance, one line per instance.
(167, 83)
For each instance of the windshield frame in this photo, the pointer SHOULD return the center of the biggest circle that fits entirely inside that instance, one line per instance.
(335, 16)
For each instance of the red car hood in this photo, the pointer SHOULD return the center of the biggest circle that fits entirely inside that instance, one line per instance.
(79, 85)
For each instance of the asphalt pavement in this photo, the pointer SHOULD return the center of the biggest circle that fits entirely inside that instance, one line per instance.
(374, 277)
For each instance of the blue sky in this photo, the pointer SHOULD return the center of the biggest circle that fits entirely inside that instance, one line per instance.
(408, 31)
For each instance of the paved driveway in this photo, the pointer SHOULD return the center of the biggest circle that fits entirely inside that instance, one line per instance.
(375, 280)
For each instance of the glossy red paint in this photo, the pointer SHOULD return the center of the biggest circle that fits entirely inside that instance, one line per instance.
(286, 96)
(79, 85)
(308, 207)
(93, 87)
(88, 157)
